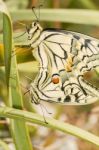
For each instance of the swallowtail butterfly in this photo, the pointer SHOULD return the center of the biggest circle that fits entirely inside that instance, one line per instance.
(64, 57)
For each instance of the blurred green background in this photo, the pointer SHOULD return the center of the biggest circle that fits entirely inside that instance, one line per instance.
(86, 117)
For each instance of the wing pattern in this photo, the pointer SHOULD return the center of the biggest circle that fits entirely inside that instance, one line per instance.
(64, 57)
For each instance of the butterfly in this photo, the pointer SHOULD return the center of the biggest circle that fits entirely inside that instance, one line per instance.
(63, 57)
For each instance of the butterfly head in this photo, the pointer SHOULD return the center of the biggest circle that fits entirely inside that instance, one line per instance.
(33, 30)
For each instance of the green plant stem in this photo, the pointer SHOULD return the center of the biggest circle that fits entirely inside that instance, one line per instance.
(52, 123)
(18, 129)
(80, 16)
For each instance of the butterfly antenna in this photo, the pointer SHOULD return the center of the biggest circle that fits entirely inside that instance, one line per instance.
(20, 35)
(39, 10)
(39, 7)
(43, 114)
(33, 9)
(23, 24)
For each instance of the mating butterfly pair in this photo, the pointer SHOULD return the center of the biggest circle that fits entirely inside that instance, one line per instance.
(64, 57)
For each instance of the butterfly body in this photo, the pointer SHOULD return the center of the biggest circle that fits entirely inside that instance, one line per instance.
(63, 57)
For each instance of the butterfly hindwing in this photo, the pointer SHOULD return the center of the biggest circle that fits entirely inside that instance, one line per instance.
(64, 57)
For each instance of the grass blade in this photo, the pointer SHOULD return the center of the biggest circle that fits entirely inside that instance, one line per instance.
(78, 16)
(18, 129)
(7, 30)
(52, 123)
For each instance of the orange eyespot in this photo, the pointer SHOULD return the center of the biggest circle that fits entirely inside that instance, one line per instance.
(55, 80)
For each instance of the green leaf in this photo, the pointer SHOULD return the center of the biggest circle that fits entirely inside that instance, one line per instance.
(18, 129)
(52, 123)
(78, 16)
(7, 39)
